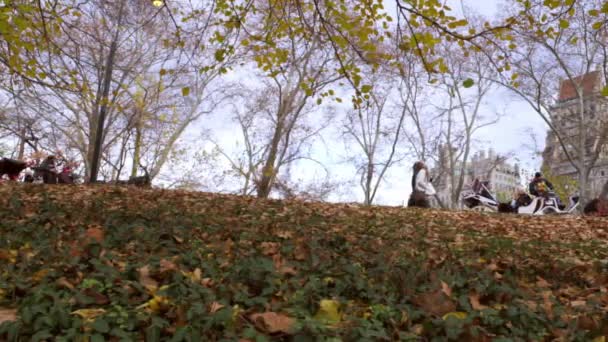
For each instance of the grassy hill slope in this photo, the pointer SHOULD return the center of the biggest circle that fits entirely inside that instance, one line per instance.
(116, 263)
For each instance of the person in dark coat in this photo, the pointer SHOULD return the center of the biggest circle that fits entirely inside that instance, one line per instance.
(539, 186)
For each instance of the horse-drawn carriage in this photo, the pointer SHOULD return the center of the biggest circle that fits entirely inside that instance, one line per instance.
(479, 198)
(45, 172)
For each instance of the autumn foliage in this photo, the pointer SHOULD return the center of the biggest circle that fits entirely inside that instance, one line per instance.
(115, 263)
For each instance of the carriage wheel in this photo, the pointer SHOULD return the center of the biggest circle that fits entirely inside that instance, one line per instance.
(482, 209)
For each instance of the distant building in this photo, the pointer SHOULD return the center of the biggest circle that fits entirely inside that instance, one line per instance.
(565, 117)
(504, 177)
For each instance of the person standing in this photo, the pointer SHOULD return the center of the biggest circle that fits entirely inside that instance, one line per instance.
(48, 168)
(421, 187)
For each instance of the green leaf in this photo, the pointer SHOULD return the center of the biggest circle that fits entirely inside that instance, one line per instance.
(594, 13)
(605, 91)
(563, 23)
(101, 325)
(185, 91)
(468, 83)
(597, 25)
(97, 338)
(366, 88)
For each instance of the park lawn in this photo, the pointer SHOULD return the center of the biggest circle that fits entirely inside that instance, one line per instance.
(94, 263)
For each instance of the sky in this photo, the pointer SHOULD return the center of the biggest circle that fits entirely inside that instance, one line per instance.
(511, 135)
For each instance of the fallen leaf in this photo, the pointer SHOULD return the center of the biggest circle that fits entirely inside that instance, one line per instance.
(436, 303)
(474, 300)
(328, 311)
(542, 283)
(89, 314)
(145, 279)
(167, 266)
(547, 304)
(215, 306)
(8, 315)
(578, 303)
(446, 289)
(285, 234)
(38, 276)
(272, 322)
(94, 234)
(10, 255)
(269, 248)
(455, 314)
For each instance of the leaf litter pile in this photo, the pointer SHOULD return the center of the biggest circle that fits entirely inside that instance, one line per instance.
(116, 263)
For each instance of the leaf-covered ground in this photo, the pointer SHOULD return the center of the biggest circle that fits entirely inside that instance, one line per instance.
(116, 263)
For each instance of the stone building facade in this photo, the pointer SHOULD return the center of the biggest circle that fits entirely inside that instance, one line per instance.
(503, 176)
(565, 116)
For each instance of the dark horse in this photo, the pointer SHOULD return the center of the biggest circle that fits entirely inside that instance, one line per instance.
(597, 207)
(522, 200)
(11, 167)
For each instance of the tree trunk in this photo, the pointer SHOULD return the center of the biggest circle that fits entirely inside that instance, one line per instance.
(604, 193)
(107, 82)
(22, 138)
(264, 186)
(137, 150)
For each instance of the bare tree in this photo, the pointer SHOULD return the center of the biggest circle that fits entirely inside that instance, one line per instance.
(376, 128)
(555, 73)
(460, 116)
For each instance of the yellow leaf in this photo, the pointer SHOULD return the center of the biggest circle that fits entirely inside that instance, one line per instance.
(599, 339)
(89, 315)
(455, 314)
(157, 3)
(38, 276)
(328, 311)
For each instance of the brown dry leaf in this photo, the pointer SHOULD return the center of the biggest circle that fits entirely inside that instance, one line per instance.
(167, 266)
(63, 282)
(542, 283)
(300, 253)
(446, 289)
(578, 303)
(8, 315)
(38, 276)
(215, 306)
(272, 322)
(547, 305)
(285, 234)
(145, 279)
(474, 300)
(10, 255)
(288, 270)
(178, 239)
(207, 282)
(94, 234)
(436, 303)
(270, 248)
